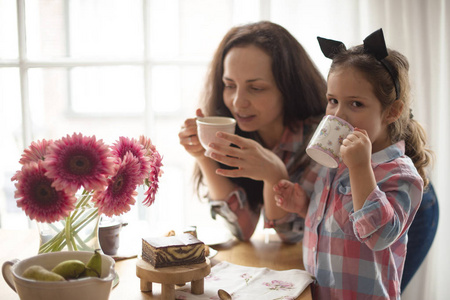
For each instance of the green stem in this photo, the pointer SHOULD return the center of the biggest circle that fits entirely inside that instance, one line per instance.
(68, 233)
(72, 225)
(80, 225)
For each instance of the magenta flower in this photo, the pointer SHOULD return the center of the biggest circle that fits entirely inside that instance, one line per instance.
(147, 144)
(153, 179)
(121, 190)
(54, 171)
(76, 161)
(34, 153)
(156, 164)
(38, 198)
(125, 145)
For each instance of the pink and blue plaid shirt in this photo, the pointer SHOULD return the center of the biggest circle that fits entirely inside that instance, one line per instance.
(360, 255)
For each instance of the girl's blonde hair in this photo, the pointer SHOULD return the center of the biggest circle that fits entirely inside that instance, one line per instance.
(405, 127)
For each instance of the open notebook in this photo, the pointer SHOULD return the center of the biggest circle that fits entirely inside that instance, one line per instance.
(250, 283)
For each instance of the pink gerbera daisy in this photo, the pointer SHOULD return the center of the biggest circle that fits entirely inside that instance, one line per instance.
(76, 161)
(119, 195)
(34, 153)
(147, 144)
(125, 145)
(38, 198)
(153, 179)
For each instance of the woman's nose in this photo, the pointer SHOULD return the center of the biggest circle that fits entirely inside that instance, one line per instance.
(240, 99)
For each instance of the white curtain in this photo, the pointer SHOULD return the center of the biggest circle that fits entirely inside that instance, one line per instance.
(421, 31)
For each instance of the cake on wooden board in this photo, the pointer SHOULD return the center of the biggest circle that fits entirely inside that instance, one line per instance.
(173, 250)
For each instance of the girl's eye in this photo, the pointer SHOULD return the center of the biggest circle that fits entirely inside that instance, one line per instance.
(357, 104)
(332, 101)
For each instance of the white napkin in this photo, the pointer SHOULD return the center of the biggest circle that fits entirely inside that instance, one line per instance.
(250, 283)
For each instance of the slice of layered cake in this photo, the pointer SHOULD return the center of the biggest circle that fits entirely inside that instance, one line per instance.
(173, 250)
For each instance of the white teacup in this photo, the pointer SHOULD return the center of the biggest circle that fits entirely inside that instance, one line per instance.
(324, 146)
(207, 127)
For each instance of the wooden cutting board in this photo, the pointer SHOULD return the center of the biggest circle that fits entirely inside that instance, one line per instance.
(171, 276)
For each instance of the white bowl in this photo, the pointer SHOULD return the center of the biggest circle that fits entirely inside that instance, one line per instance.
(84, 288)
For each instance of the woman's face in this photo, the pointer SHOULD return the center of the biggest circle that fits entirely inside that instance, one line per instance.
(251, 94)
(351, 97)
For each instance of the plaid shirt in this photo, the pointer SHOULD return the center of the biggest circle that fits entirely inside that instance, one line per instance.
(242, 221)
(360, 255)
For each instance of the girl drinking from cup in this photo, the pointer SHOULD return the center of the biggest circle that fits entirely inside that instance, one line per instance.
(358, 216)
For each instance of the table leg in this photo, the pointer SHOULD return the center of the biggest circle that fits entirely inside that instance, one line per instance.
(167, 291)
(146, 286)
(197, 286)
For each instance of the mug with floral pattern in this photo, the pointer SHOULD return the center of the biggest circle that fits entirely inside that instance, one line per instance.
(324, 146)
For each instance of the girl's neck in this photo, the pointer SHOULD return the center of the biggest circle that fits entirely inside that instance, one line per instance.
(381, 144)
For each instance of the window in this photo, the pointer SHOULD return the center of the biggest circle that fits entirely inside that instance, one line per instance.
(110, 68)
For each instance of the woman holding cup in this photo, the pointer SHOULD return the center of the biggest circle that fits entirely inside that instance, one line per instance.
(264, 79)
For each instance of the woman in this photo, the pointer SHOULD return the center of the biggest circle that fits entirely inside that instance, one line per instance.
(261, 76)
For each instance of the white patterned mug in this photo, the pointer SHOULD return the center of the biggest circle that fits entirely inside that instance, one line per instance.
(207, 127)
(324, 146)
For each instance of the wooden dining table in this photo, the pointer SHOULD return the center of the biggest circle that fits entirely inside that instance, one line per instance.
(263, 250)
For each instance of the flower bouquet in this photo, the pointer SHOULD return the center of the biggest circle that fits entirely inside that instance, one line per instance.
(70, 182)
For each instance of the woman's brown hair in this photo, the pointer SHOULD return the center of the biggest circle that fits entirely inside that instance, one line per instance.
(301, 84)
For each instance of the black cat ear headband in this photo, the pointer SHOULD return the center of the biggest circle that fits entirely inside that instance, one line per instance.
(374, 44)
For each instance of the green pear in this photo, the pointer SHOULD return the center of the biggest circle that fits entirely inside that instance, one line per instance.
(69, 269)
(40, 273)
(94, 265)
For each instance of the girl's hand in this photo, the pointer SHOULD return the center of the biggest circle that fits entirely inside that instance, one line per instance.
(250, 158)
(291, 197)
(356, 149)
(188, 136)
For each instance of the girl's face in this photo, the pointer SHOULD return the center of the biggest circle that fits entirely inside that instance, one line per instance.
(351, 97)
(251, 94)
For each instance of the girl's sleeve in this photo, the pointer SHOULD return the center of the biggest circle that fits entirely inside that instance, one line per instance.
(389, 210)
(235, 210)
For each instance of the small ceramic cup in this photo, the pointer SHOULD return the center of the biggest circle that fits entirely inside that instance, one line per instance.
(324, 146)
(109, 234)
(207, 127)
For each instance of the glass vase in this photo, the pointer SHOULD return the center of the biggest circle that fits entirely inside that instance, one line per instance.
(77, 232)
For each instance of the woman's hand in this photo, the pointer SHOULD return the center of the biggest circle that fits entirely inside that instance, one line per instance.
(250, 159)
(219, 187)
(188, 136)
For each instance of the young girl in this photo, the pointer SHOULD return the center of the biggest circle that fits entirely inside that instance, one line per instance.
(359, 213)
